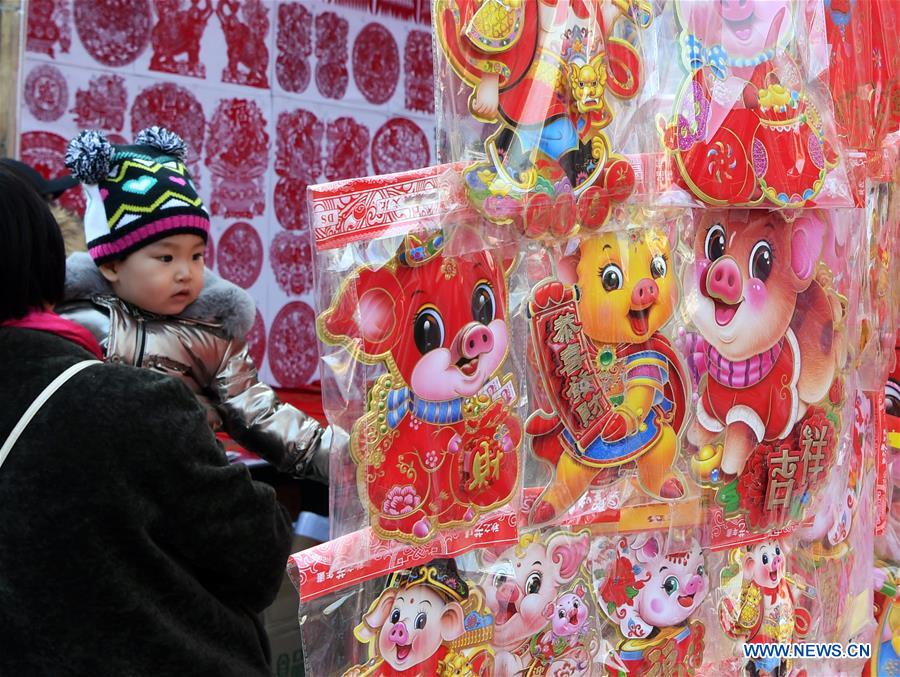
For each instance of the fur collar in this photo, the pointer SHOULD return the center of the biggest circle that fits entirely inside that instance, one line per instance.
(220, 301)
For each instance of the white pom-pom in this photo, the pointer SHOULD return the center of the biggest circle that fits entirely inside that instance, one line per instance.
(161, 138)
(88, 156)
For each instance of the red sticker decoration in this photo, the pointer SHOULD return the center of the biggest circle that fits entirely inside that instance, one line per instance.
(290, 256)
(113, 32)
(438, 446)
(376, 63)
(293, 352)
(399, 145)
(290, 203)
(294, 44)
(177, 34)
(331, 55)
(237, 153)
(49, 26)
(102, 105)
(209, 256)
(245, 24)
(46, 151)
(418, 72)
(348, 143)
(46, 93)
(240, 254)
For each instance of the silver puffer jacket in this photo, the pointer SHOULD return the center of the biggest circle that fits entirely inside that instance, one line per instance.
(203, 347)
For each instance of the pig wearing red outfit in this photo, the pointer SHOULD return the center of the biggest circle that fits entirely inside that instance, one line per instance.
(743, 129)
(767, 327)
(439, 444)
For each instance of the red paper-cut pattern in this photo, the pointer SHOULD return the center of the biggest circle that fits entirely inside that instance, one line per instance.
(290, 255)
(418, 72)
(46, 151)
(209, 256)
(294, 44)
(177, 34)
(240, 254)
(256, 340)
(290, 203)
(376, 63)
(46, 93)
(399, 145)
(177, 109)
(400, 9)
(299, 145)
(102, 105)
(348, 145)
(246, 37)
(331, 55)
(113, 32)
(293, 352)
(237, 153)
(48, 25)
(298, 162)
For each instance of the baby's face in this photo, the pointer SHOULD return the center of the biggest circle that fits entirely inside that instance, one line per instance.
(164, 277)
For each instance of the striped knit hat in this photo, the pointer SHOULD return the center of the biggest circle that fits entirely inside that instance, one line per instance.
(135, 194)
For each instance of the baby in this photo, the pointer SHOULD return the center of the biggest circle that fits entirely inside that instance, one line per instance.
(145, 295)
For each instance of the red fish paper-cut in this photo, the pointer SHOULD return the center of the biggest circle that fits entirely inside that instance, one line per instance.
(439, 443)
(744, 129)
(541, 70)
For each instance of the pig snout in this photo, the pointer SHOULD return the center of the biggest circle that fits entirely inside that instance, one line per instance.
(694, 585)
(736, 10)
(776, 562)
(476, 340)
(399, 634)
(645, 293)
(508, 593)
(723, 280)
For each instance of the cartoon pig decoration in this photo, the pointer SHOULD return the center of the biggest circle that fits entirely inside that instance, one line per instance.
(743, 129)
(439, 444)
(412, 619)
(650, 595)
(523, 591)
(767, 327)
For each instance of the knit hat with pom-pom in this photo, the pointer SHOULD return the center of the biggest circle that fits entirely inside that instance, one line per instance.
(135, 194)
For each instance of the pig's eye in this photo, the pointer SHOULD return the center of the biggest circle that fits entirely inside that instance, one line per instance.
(484, 308)
(714, 247)
(395, 616)
(561, 613)
(761, 261)
(420, 621)
(658, 266)
(533, 584)
(611, 277)
(777, 551)
(499, 580)
(670, 585)
(428, 330)
(765, 559)
(701, 570)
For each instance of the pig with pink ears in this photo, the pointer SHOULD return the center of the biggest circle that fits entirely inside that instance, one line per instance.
(650, 594)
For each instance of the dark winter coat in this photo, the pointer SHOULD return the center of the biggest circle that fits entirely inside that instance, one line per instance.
(128, 545)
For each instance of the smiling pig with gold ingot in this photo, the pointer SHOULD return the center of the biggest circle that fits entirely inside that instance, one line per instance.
(617, 388)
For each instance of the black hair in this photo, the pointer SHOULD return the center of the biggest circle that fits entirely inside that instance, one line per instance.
(32, 253)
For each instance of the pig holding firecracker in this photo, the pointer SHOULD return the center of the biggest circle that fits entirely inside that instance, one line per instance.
(617, 387)
(766, 610)
(744, 129)
(542, 69)
(412, 623)
(541, 607)
(767, 319)
(439, 444)
(650, 595)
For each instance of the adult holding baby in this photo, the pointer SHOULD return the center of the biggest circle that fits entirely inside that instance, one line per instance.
(128, 544)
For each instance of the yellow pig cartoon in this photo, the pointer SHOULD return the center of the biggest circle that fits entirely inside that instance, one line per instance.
(625, 291)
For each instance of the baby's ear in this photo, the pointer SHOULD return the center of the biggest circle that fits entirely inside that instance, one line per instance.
(110, 271)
